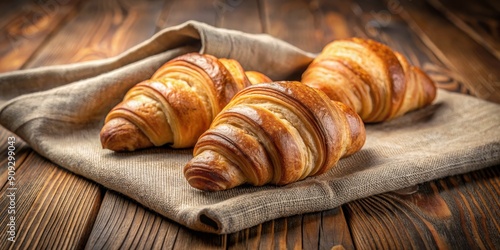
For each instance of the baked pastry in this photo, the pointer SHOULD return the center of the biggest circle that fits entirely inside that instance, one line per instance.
(375, 81)
(175, 106)
(275, 133)
(256, 77)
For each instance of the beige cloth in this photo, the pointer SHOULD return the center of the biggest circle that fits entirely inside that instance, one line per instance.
(62, 117)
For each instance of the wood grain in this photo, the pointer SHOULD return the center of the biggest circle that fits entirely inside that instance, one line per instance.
(450, 213)
(322, 230)
(100, 30)
(229, 13)
(248, 238)
(334, 20)
(293, 22)
(475, 65)
(189, 239)
(381, 21)
(275, 236)
(334, 231)
(26, 25)
(54, 208)
(219, 13)
(122, 223)
(479, 19)
(203, 11)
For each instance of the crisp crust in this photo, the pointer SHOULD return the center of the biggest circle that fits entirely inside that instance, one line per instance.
(277, 133)
(177, 104)
(394, 70)
(378, 83)
(356, 129)
(237, 72)
(256, 77)
(223, 83)
(119, 134)
(429, 88)
(211, 171)
(312, 108)
(336, 75)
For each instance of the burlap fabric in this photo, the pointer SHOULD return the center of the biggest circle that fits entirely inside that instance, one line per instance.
(59, 111)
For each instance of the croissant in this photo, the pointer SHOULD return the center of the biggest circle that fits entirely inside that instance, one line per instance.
(176, 105)
(378, 83)
(256, 77)
(275, 133)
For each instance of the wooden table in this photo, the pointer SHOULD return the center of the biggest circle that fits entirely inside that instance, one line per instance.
(457, 44)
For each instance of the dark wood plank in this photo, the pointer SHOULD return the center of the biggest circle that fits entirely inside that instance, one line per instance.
(189, 239)
(280, 235)
(459, 212)
(102, 29)
(26, 25)
(122, 223)
(335, 233)
(479, 19)
(283, 233)
(10, 9)
(293, 22)
(311, 230)
(52, 207)
(478, 68)
(161, 23)
(230, 13)
(294, 232)
(332, 20)
(326, 230)
(266, 238)
(494, 4)
(382, 22)
(181, 11)
(248, 238)
(219, 13)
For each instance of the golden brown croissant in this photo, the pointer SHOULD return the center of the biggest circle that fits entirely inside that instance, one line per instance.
(378, 83)
(274, 133)
(176, 105)
(256, 77)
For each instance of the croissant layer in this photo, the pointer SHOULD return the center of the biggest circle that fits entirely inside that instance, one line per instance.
(274, 133)
(176, 105)
(375, 81)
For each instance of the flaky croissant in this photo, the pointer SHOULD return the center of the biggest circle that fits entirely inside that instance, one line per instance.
(275, 133)
(378, 83)
(176, 105)
(256, 77)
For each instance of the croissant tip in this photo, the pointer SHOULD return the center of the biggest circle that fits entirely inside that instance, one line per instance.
(210, 171)
(110, 141)
(201, 178)
(120, 135)
(105, 137)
